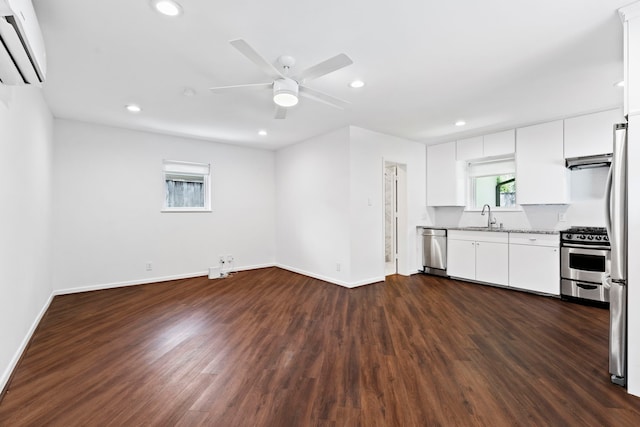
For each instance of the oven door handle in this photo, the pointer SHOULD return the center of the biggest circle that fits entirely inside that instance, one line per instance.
(586, 286)
(578, 246)
(606, 281)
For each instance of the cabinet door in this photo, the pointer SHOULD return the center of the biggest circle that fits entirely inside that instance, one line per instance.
(461, 259)
(541, 175)
(470, 148)
(590, 134)
(535, 268)
(445, 176)
(500, 143)
(492, 262)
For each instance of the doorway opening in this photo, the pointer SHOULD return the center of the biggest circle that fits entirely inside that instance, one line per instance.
(395, 218)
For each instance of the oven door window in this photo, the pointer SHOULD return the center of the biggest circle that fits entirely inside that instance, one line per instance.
(584, 262)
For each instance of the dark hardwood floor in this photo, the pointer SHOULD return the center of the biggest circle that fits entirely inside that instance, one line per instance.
(273, 348)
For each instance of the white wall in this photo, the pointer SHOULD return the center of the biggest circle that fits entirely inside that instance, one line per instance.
(369, 150)
(330, 204)
(25, 212)
(312, 182)
(586, 208)
(107, 201)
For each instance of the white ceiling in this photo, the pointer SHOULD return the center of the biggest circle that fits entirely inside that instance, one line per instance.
(495, 63)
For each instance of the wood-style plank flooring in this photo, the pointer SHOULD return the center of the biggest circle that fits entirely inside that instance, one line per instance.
(273, 348)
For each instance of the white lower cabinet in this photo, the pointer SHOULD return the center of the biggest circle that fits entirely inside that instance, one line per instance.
(534, 262)
(481, 256)
(528, 261)
(461, 258)
(492, 262)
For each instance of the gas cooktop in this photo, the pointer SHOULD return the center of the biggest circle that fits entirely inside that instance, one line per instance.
(585, 235)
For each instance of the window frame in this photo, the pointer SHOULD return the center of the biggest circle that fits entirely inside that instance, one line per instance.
(471, 183)
(187, 169)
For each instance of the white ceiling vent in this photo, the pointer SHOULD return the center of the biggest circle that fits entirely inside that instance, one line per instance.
(22, 55)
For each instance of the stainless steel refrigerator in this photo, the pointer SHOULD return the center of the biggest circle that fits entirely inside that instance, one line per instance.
(616, 219)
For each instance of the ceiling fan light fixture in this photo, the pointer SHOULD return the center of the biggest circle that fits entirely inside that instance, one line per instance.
(285, 92)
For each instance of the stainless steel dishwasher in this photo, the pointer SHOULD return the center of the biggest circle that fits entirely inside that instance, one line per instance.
(434, 251)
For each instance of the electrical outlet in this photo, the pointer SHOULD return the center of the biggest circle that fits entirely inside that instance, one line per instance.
(338, 266)
(149, 266)
(562, 217)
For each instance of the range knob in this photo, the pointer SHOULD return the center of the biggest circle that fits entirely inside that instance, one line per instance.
(598, 237)
(605, 238)
(569, 236)
(590, 237)
(582, 237)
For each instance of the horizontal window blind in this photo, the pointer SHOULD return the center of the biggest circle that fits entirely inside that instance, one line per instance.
(185, 168)
(503, 166)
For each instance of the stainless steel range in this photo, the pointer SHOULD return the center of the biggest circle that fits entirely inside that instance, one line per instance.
(585, 262)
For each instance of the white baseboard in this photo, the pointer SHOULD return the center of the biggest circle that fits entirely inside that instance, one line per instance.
(6, 375)
(254, 267)
(148, 280)
(144, 281)
(331, 279)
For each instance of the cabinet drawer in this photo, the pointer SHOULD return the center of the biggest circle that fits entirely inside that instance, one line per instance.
(534, 239)
(479, 236)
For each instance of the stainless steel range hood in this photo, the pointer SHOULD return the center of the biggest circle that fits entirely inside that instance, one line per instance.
(598, 161)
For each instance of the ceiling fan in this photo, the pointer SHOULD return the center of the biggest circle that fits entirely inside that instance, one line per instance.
(286, 88)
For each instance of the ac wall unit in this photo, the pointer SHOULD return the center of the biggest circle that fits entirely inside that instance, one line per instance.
(22, 55)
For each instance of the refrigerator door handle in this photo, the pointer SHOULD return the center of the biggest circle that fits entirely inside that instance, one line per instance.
(616, 209)
(607, 202)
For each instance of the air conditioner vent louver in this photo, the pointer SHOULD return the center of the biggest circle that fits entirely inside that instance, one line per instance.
(22, 55)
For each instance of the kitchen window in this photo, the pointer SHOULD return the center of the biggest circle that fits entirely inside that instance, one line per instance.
(186, 186)
(492, 182)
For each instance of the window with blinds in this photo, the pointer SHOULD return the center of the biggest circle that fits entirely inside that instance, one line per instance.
(186, 186)
(492, 182)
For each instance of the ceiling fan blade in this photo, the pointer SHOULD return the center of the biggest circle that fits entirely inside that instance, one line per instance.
(316, 95)
(325, 67)
(256, 58)
(281, 113)
(253, 86)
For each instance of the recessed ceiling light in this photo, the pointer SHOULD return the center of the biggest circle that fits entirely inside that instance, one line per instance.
(133, 108)
(461, 123)
(356, 84)
(619, 84)
(167, 7)
(262, 132)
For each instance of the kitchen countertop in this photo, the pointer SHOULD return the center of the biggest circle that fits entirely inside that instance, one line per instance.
(500, 230)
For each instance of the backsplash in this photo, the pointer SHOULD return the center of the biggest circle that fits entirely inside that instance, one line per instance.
(586, 208)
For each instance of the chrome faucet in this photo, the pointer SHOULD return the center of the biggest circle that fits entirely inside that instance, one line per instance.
(490, 221)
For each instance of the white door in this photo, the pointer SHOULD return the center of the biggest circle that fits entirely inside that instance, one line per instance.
(390, 219)
(395, 219)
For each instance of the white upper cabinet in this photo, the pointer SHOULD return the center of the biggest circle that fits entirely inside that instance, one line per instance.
(500, 143)
(495, 144)
(541, 175)
(470, 148)
(590, 134)
(445, 176)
